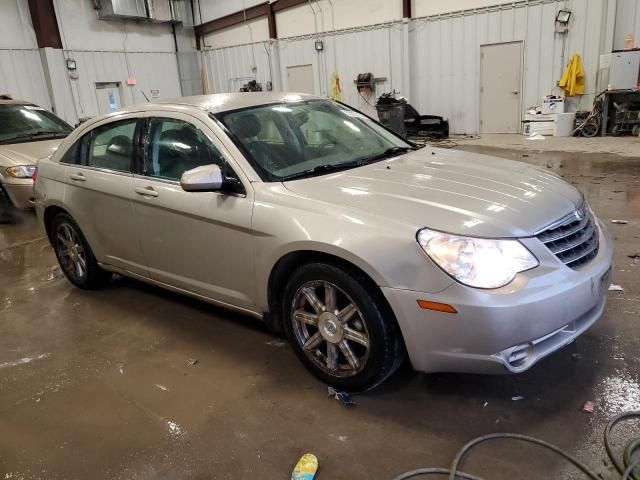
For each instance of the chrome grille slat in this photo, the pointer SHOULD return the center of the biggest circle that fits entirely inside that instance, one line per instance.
(582, 236)
(573, 242)
(563, 230)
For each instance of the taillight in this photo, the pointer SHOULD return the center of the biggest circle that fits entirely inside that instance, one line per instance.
(35, 175)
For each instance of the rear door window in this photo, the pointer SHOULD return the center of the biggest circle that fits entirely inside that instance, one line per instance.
(110, 146)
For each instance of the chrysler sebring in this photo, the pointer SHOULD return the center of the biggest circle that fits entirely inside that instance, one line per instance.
(360, 247)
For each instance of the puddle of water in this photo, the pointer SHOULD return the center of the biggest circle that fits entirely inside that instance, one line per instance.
(619, 393)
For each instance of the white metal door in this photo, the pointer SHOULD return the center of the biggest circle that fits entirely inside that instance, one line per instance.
(500, 87)
(108, 97)
(300, 79)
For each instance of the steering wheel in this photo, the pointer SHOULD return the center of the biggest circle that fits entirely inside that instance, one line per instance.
(326, 145)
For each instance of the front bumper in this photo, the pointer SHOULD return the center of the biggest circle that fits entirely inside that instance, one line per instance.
(506, 330)
(21, 194)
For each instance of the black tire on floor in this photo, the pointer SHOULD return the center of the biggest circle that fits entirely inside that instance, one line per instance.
(386, 349)
(93, 276)
(6, 208)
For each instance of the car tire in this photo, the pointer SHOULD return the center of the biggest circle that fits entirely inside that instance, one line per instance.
(75, 256)
(6, 208)
(319, 323)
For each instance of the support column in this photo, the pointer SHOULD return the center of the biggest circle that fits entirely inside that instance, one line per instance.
(406, 61)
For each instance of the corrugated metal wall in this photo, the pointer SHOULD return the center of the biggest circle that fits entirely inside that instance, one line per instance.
(231, 67)
(627, 21)
(377, 50)
(445, 54)
(444, 57)
(152, 70)
(21, 75)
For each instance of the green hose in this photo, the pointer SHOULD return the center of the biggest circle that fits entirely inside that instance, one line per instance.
(631, 448)
(626, 468)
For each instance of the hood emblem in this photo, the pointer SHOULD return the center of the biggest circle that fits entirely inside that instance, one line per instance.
(579, 214)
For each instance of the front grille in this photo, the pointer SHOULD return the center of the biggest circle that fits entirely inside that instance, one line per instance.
(573, 239)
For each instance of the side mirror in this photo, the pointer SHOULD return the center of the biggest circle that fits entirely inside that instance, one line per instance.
(207, 178)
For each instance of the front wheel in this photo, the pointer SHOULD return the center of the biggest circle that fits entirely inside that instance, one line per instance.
(6, 208)
(75, 255)
(340, 327)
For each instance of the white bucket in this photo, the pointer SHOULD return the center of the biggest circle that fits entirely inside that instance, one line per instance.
(564, 124)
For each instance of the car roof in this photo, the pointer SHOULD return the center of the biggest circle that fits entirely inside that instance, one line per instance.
(221, 102)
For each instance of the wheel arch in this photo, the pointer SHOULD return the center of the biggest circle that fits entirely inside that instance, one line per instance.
(48, 215)
(292, 260)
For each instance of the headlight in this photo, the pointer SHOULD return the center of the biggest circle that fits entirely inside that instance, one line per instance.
(21, 171)
(477, 262)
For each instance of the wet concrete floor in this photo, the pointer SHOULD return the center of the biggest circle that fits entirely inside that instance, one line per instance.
(100, 385)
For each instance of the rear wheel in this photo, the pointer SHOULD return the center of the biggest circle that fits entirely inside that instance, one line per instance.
(75, 256)
(340, 328)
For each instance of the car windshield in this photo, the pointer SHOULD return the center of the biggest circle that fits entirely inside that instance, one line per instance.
(23, 123)
(293, 140)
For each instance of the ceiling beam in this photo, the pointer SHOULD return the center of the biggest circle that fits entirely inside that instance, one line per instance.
(284, 4)
(233, 19)
(266, 9)
(43, 18)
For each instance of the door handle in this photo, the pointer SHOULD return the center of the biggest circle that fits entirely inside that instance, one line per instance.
(78, 177)
(146, 191)
(515, 92)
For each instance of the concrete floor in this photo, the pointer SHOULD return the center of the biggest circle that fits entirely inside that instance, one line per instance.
(99, 384)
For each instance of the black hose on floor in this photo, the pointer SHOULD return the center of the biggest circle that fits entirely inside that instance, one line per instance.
(625, 468)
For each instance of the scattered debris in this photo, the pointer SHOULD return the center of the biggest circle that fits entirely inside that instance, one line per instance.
(485, 404)
(618, 356)
(615, 288)
(162, 387)
(121, 371)
(535, 136)
(620, 222)
(588, 407)
(635, 256)
(192, 361)
(576, 356)
(23, 361)
(306, 467)
(342, 397)
(517, 398)
(276, 343)
(52, 274)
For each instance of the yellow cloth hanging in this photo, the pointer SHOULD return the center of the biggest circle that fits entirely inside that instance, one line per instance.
(335, 93)
(572, 81)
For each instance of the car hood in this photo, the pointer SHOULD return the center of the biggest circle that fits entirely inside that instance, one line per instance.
(27, 153)
(450, 190)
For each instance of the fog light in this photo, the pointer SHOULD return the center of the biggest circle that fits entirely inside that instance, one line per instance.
(520, 355)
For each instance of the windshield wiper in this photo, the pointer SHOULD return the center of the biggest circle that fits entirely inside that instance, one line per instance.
(31, 136)
(320, 169)
(389, 152)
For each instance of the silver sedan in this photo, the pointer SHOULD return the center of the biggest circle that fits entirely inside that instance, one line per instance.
(356, 244)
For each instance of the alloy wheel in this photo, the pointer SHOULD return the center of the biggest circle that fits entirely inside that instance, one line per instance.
(70, 251)
(330, 329)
